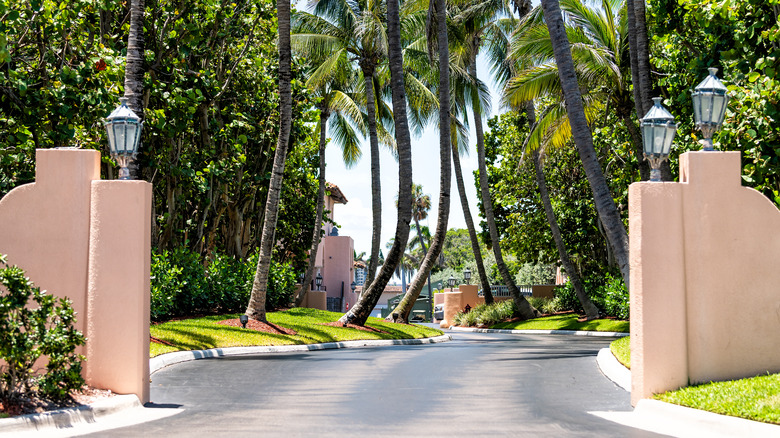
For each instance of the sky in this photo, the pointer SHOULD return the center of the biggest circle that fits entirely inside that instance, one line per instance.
(355, 218)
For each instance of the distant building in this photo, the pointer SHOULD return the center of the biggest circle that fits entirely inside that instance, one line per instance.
(360, 272)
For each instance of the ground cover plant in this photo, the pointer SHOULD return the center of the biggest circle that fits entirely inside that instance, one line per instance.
(756, 398)
(308, 325)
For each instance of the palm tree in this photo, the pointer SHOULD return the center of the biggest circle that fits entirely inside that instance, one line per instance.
(362, 309)
(605, 205)
(478, 26)
(591, 311)
(599, 53)
(256, 307)
(330, 81)
(357, 30)
(437, 11)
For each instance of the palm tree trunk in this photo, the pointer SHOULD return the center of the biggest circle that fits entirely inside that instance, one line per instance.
(315, 238)
(639, 54)
(525, 309)
(134, 69)
(376, 190)
(404, 308)
(591, 311)
(475, 249)
(477, 114)
(362, 309)
(605, 205)
(425, 250)
(256, 307)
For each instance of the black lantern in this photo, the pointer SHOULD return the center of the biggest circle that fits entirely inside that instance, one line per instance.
(353, 286)
(709, 106)
(124, 133)
(658, 130)
(451, 281)
(318, 280)
(467, 275)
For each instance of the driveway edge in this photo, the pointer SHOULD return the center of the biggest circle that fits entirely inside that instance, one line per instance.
(164, 360)
(540, 332)
(613, 369)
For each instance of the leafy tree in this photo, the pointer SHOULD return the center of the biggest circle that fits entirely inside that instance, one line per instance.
(741, 38)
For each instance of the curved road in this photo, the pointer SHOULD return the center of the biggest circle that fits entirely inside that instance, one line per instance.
(477, 385)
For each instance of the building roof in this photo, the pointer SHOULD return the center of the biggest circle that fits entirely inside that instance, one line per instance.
(335, 193)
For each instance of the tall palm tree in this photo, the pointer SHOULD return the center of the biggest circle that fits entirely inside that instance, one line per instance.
(256, 307)
(437, 12)
(362, 309)
(331, 81)
(480, 25)
(357, 29)
(605, 204)
(591, 311)
(599, 54)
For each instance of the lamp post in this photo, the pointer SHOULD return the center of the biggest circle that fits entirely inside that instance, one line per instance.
(658, 130)
(451, 281)
(467, 275)
(709, 106)
(124, 133)
(318, 280)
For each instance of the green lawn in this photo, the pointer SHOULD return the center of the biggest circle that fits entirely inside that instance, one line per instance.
(566, 322)
(622, 351)
(204, 333)
(755, 398)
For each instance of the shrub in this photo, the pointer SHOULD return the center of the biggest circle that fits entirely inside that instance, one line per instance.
(567, 298)
(614, 298)
(486, 314)
(181, 286)
(546, 305)
(27, 333)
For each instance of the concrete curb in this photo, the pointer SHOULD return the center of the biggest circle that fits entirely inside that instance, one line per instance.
(681, 421)
(164, 360)
(613, 369)
(69, 417)
(540, 332)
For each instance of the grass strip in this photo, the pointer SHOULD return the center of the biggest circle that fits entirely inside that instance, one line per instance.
(566, 322)
(620, 348)
(204, 333)
(755, 398)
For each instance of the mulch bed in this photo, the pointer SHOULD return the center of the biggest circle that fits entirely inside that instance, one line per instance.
(265, 327)
(365, 328)
(34, 405)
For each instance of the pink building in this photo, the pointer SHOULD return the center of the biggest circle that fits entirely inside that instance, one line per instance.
(335, 259)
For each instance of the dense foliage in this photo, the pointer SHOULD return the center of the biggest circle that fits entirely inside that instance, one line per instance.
(742, 39)
(520, 217)
(182, 286)
(211, 112)
(42, 329)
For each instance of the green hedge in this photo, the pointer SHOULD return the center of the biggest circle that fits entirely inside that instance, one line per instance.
(183, 284)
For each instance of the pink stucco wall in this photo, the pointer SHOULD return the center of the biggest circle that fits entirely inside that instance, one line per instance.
(704, 301)
(334, 257)
(88, 240)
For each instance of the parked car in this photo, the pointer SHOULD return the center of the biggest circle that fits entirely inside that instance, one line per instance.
(438, 312)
